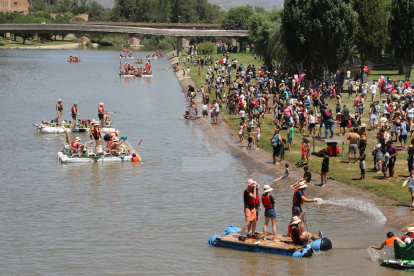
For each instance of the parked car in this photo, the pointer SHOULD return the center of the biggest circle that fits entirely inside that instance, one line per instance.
(356, 69)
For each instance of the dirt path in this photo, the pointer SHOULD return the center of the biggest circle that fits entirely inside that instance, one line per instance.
(261, 161)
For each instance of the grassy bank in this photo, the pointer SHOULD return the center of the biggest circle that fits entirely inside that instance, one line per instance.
(339, 168)
(6, 43)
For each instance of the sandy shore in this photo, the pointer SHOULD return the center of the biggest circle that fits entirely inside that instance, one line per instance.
(226, 139)
(46, 47)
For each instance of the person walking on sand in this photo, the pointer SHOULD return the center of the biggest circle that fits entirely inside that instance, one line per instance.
(249, 199)
(275, 142)
(270, 214)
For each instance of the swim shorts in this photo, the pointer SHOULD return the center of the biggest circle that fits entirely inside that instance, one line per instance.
(100, 116)
(284, 176)
(270, 213)
(250, 215)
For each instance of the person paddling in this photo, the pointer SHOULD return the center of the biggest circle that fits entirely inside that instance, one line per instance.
(249, 198)
(298, 199)
(388, 241)
(299, 236)
(270, 214)
(59, 112)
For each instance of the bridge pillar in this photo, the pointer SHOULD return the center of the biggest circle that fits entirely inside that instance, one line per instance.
(179, 45)
(136, 41)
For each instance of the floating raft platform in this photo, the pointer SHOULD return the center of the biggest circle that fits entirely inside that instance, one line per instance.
(285, 246)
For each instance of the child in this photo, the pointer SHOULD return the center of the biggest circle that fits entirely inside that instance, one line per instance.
(283, 176)
(282, 150)
(325, 169)
(304, 150)
(242, 114)
(290, 135)
(362, 163)
(307, 176)
(241, 133)
(258, 137)
(244, 126)
(308, 151)
(250, 137)
(199, 71)
(384, 163)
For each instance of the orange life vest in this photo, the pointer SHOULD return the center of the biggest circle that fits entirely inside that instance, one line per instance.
(390, 241)
(135, 159)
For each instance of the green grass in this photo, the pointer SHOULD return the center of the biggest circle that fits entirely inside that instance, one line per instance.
(339, 168)
(6, 43)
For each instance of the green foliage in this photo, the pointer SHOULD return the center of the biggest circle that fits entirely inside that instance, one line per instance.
(161, 42)
(401, 30)
(370, 33)
(88, 44)
(206, 48)
(110, 39)
(237, 18)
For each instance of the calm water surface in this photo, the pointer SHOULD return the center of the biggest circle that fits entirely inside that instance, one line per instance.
(145, 219)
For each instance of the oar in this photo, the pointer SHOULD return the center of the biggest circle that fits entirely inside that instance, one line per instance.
(113, 112)
(137, 146)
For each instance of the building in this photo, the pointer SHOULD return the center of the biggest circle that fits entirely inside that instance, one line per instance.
(19, 6)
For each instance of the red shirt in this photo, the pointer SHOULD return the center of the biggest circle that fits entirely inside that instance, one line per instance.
(407, 84)
(221, 61)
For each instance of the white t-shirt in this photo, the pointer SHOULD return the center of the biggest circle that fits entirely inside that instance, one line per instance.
(242, 113)
(385, 108)
(373, 89)
(204, 107)
(410, 112)
(216, 107)
(348, 74)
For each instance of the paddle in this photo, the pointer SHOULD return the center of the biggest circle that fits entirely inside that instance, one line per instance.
(113, 111)
(135, 150)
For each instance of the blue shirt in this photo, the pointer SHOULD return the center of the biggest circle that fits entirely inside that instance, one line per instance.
(404, 130)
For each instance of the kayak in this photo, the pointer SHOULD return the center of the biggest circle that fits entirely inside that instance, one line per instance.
(284, 247)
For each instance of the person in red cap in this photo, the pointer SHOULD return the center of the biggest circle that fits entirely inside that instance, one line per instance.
(249, 198)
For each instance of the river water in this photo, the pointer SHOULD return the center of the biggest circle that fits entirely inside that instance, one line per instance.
(137, 219)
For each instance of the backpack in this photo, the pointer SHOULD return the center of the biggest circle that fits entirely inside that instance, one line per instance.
(327, 113)
(350, 86)
(275, 141)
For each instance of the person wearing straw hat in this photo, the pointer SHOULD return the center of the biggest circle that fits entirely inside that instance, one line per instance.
(270, 214)
(298, 199)
(299, 236)
(408, 236)
(77, 147)
(249, 199)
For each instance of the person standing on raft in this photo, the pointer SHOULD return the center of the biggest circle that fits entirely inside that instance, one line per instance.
(298, 199)
(59, 112)
(298, 236)
(249, 198)
(96, 136)
(270, 214)
(388, 241)
(102, 114)
(75, 113)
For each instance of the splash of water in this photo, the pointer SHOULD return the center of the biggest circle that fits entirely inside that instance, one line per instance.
(360, 205)
(373, 254)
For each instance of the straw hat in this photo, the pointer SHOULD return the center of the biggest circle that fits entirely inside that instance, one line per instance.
(302, 185)
(409, 229)
(77, 139)
(59, 100)
(383, 120)
(251, 183)
(295, 220)
(101, 103)
(363, 125)
(267, 189)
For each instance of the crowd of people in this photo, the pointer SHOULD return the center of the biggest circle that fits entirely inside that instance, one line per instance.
(132, 70)
(126, 53)
(74, 59)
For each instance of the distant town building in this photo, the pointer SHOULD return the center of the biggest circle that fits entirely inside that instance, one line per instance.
(84, 16)
(18, 6)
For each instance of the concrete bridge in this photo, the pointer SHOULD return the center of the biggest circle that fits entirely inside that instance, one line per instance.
(80, 30)
(198, 26)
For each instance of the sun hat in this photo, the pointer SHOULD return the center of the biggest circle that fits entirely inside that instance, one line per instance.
(383, 120)
(101, 103)
(363, 125)
(409, 229)
(267, 189)
(251, 183)
(302, 185)
(295, 220)
(59, 100)
(77, 139)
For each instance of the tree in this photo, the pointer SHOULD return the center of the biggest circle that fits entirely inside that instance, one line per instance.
(295, 35)
(260, 28)
(370, 35)
(237, 18)
(331, 29)
(401, 30)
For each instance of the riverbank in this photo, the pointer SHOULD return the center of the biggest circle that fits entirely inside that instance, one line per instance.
(35, 44)
(224, 136)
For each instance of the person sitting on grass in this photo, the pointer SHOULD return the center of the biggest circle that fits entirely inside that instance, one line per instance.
(283, 176)
(298, 237)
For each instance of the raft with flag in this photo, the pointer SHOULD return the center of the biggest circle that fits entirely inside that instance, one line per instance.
(283, 247)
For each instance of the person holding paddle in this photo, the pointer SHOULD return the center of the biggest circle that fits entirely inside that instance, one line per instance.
(103, 116)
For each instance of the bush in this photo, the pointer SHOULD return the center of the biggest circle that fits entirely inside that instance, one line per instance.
(164, 45)
(77, 40)
(88, 44)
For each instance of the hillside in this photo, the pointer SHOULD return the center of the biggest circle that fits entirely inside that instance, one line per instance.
(225, 4)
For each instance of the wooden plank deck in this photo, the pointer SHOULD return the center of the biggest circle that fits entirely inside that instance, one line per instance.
(283, 247)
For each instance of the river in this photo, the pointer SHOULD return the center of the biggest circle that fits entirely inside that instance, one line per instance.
(138, 219)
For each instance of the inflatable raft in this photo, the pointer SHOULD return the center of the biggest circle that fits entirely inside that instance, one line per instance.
(285, 247)
(126, 57)
(399, 256)
(74, 61)
(143, 76)
(126, 76)
(51, 128)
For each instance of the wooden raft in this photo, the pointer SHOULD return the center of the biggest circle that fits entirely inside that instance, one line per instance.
(283, 247)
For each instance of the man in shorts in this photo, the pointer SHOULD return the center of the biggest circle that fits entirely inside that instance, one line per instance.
(298, 199)
(354, 140)
(249, 199)
(216, 111)
(344, 120)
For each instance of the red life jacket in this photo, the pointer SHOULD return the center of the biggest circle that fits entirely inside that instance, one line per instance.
(257, 200)
(266, 202)
(290, 230)
(75, 145)
(74, 110)
(96, 132)
(295, 200)
(252, 200)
